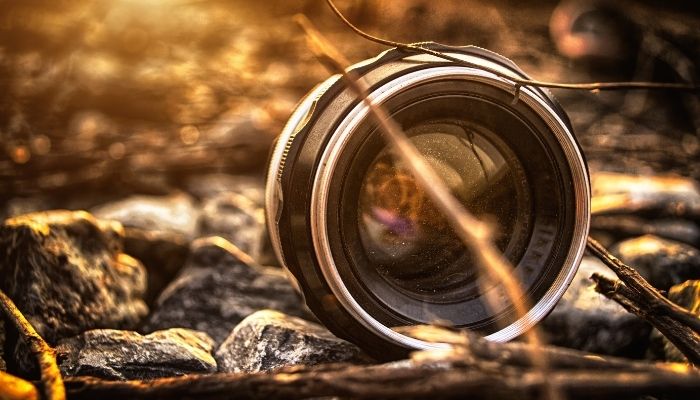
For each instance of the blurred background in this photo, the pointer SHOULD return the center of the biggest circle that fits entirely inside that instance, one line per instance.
(101, 99)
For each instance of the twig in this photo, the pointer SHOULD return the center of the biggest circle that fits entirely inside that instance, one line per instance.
(46, 357)
(593, 86)
(682, 336)
(636, 295)
(14, 388)
(655, 300)
(474, 233)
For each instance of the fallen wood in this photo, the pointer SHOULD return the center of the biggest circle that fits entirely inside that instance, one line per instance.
(50, 375)
(435, 380)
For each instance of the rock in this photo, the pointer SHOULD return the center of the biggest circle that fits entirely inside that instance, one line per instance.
(66, 272)
(586, 320)
(115, 354)
(237, 219)
(175, 214)
(686, 295)
(615, 193)
(162, 253)
(3, 366)
(268, 339)
(211, 185)
(219, 286)
(662, 262)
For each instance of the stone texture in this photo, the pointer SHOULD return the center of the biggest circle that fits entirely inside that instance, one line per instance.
(211, 185)
(162, 253)
(115, 354)
(66, 273)
(219, 286)
(268, 339)
(3, 366)
(586, 320)
(237, 219)
(662, 262)
(176, 213)
(686, 295)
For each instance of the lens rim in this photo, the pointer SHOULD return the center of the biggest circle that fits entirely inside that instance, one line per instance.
(547, 207)
(297, 157)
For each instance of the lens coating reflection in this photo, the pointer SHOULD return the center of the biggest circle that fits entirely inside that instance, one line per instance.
(406, 237)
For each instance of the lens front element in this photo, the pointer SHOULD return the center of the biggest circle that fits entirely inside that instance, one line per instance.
(409, 241)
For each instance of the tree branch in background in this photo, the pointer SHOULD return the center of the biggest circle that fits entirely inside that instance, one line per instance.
(45, 355)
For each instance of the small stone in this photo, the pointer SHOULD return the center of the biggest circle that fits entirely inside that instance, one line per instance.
(115, 354)
(686, 295)
(219, 286)
(175, 213)
(662, 262)
(237, 219)
(267, 340)
(68, 273)
(586, 320)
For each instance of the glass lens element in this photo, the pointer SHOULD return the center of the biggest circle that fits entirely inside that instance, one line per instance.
(406, 237)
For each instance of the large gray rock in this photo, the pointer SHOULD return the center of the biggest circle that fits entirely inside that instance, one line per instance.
(115, 354)
(237, 219)
(662, 262)
(66, 273)
(268, 339)
(586, 320)
(175, 214)
(686, 295)
(220, 286)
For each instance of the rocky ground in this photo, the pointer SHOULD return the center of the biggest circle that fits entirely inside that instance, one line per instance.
(134, 239)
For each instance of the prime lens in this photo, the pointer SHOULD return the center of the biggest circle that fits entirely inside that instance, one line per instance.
(366, 246)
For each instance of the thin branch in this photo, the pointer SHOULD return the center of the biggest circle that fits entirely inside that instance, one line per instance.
(655, 300)
(682, 336)
(474, 233)
(45, 355)
(593, 86)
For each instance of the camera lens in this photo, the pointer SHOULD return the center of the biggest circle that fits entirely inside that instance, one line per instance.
(370, 251)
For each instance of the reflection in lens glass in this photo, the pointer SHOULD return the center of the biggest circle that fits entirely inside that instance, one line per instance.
(408, 240)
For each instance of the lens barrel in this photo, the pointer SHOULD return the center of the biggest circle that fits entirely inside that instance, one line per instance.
(365, 245)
